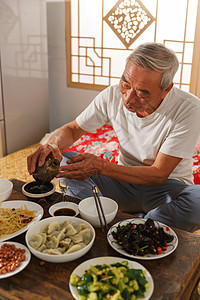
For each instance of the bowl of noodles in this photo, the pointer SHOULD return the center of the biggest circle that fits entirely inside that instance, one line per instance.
(17, 216)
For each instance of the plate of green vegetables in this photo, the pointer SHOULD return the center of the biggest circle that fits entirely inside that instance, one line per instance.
(110, 277)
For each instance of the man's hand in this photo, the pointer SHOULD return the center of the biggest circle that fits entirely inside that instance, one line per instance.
(82, 166)
(40, 155)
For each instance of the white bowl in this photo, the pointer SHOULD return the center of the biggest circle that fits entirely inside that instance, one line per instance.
(6, 187)
(36, 228)
(88, 211)
(57, 207)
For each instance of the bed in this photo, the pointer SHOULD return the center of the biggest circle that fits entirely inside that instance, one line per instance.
(102, 142)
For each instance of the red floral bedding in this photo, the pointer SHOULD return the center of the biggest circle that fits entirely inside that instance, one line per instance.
(196, 164)
(104, 143)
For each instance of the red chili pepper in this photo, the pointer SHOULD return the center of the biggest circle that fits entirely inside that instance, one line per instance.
(27, 220)
(167, 228)
(133, 226)
(42, 200)
(159, 250)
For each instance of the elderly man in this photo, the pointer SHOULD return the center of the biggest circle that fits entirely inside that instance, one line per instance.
(157, 127)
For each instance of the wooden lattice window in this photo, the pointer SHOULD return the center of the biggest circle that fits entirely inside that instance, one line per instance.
(100, 34)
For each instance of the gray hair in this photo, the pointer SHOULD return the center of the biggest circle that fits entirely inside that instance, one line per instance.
(156, 57)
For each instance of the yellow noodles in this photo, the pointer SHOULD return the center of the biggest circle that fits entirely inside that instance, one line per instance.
(14, 219)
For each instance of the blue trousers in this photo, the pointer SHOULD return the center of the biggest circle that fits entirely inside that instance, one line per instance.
(173, 203)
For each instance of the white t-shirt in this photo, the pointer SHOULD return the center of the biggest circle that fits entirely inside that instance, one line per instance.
(173, 128)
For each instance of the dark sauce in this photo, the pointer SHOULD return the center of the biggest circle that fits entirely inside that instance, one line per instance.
(40, 189)
(64, 212)
(36, 187)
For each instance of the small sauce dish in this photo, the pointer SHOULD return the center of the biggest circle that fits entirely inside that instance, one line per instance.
(64, 209)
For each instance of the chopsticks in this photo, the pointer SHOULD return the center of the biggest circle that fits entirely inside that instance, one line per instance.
(99, 205)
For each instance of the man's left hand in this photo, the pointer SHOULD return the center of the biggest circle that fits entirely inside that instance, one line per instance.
(82, 166)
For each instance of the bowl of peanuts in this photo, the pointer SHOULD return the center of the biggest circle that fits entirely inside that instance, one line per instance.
(14, 258)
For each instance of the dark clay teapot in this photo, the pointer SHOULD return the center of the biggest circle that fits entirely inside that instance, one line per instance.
(48, 171)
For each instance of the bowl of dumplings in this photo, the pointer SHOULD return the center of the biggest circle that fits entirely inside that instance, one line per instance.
(60, 239)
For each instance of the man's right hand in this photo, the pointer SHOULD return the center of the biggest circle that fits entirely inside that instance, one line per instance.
(40, 155)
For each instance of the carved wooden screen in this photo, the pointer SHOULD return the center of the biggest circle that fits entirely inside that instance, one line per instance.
(100, 34)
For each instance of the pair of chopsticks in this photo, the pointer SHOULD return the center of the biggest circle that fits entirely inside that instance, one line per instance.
(99, 207)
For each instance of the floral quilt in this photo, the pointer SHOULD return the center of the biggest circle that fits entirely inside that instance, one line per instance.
(196, 164)
(103, 142)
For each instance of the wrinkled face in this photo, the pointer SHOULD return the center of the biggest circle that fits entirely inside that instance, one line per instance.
(140, 89)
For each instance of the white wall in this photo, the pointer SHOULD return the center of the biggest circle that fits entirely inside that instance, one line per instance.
(65, 103)
(23, 45)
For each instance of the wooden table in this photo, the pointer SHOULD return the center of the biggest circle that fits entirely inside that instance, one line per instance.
(175, 276)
